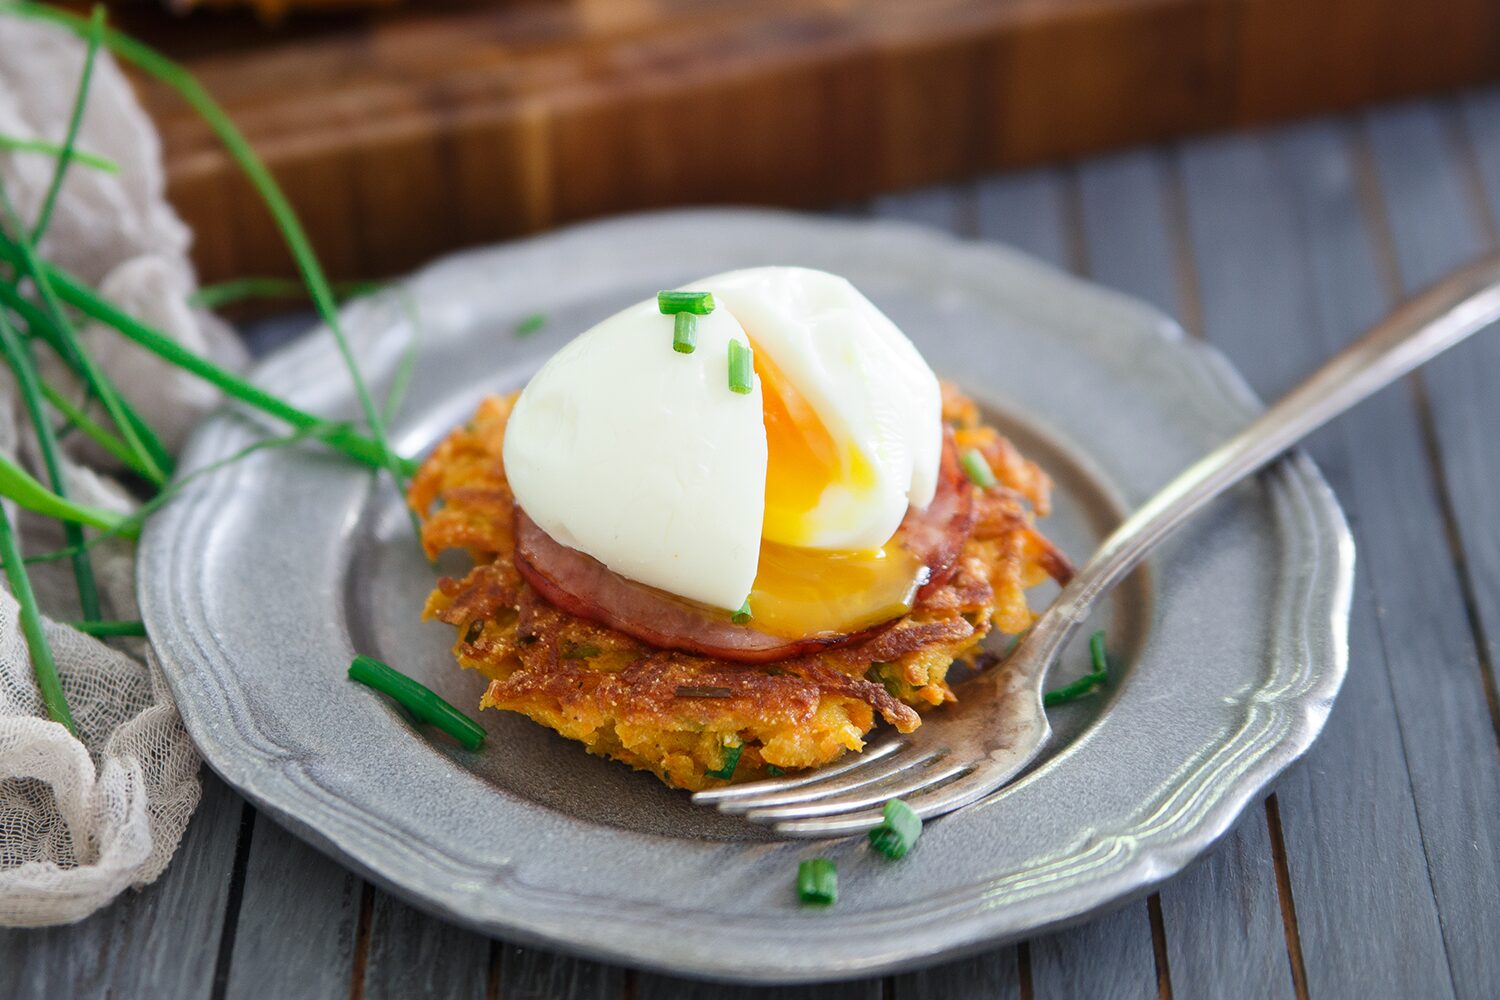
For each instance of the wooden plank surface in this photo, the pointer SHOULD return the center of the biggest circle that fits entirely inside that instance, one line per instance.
(161, 941)
(1282, 252)
(412, 130)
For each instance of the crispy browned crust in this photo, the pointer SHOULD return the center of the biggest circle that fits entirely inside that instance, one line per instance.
(677, 714)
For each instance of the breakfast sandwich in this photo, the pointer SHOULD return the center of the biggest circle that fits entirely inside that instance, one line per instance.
(724, 532)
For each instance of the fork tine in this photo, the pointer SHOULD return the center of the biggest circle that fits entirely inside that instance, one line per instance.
(928, 802)
(873, 752)
(864, 796)
(891, 766)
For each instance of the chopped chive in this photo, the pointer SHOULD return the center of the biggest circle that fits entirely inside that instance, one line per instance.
(580, 651)
(672, 303)
(731, 761)
(684, 332)
(1088, 683)
(531, 324)
(102, 630)
(899, 832)
(774, 771)
(818, 882)
(977, 469)
(741, 368)
(742, 616)
(15, 144)
(419, 700)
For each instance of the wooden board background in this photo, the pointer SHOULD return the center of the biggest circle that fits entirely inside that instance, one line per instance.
(404, 133)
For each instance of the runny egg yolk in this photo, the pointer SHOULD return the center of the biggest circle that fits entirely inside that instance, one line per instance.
(802, 591)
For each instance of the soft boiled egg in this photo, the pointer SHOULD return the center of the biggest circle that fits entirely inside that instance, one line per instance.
(786, 496)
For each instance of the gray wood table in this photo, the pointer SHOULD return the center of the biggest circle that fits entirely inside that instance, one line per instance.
(1373, 871)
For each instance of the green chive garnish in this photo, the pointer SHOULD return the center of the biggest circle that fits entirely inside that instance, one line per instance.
(742, 616)
(104, 629)
(531, 324)
(684, 332)
(899, 832)
(417, 699)
(818, 882)
(731, 761)
(580, 651)
(977, 469)
(672, 303)
(741, 368)
(774, 771)
(1089, 682)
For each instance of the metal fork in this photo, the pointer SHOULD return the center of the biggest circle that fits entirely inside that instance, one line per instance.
(964, 752)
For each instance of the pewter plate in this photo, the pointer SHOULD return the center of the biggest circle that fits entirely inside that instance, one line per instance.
(261, 582)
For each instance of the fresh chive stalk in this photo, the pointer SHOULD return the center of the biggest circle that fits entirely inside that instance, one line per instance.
(818, 882)
(741, 368)
(37, 647)
(39, 326)
(89, 428)
(19, 486)
(242, 289)
(731, 761)
(684, 332)
(103, 630)
(1088, 683)
(743, 615)
(419, 700)
(156, 65)
(337, 436)
(60, 322)
(977, 469)
(672, 303)
(23, 366)
(131, 524)
(900, 830)
(15, 144)
(75, 120)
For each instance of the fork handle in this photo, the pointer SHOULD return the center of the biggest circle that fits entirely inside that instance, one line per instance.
(1423, 327)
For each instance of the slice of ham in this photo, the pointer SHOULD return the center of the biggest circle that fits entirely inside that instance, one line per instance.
(583, 586)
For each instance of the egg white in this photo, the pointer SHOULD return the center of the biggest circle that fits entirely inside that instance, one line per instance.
(641, 457)
(866, 381)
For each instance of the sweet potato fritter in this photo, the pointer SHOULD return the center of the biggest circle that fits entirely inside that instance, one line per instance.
(679, 715)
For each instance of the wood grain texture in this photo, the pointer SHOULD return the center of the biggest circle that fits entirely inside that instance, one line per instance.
(161, 941)
(1314, 251)
(1441, 695)
(1111, 956)
(410, 954)
(298, 915)
(416, 129)
(532, 974)
(649, 986)
(1126, 242)
(1287, 272)
(994, 975)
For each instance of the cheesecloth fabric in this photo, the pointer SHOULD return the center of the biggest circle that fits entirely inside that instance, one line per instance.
(82, 819)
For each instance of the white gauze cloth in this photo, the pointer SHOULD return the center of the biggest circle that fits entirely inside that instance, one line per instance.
(82, 819)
